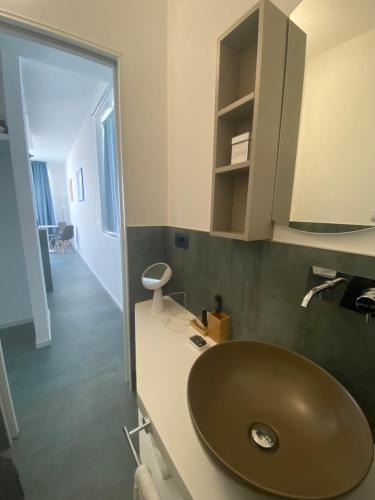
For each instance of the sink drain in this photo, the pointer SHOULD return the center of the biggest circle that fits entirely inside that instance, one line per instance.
(263, 437)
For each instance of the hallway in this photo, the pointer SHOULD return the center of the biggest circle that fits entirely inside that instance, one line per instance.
(71, 399)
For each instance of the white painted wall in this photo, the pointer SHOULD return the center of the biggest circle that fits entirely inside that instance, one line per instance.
(58, 180)
(136, 31)
(336, 151)
(101, 252)
(15, 301)
(24, 195)
(14, 292)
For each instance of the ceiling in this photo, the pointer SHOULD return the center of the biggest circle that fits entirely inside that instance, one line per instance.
(57, 104)
(60, 91)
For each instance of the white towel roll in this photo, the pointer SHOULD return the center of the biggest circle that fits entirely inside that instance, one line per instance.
(144, 488)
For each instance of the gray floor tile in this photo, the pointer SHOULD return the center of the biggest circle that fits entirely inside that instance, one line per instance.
(71, 399)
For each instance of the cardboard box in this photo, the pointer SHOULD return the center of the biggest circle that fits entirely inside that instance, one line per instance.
(240, 148)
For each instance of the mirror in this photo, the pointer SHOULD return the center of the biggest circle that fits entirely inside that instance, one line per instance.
(154, 278)
(334, 187)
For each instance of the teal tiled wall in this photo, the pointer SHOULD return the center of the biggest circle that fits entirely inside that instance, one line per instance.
(262, 285)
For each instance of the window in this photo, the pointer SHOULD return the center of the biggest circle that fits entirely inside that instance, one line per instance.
(108, 175)
(42, 194)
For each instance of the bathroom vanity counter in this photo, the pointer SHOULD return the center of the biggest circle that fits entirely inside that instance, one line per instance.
(164, 357)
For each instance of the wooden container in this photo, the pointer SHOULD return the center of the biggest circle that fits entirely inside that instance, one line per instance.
(218, 326)
(198, 328)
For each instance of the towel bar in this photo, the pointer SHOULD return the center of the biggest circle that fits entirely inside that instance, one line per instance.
(128, 434)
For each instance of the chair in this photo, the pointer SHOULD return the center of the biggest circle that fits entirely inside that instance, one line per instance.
(57, 232)
(63, 240)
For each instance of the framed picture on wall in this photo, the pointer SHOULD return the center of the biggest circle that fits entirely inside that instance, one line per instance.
(80, 185)
(71, 192)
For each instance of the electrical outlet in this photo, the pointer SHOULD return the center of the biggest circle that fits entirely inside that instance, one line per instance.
(181, 240)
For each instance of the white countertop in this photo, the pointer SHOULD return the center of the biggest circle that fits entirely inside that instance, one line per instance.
(164, 357)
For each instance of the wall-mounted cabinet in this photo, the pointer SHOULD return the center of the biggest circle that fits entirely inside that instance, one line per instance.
(249, 91)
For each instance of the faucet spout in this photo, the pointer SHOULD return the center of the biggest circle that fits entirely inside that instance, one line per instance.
(307, 298)
(318, 289)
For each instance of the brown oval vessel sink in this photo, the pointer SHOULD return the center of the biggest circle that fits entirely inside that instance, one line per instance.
(279, 421)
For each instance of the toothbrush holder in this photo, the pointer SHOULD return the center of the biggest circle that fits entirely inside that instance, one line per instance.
(218, 326)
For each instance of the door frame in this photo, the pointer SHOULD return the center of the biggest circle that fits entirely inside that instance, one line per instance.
(55, 38)
(6, 402)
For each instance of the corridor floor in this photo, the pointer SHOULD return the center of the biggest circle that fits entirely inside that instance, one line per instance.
(71, 398)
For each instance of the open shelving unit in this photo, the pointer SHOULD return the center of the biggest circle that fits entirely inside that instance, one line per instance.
(250, 72)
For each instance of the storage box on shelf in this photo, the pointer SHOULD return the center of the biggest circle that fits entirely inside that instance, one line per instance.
(240, 148)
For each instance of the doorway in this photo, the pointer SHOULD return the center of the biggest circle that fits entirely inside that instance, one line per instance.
(70, 394)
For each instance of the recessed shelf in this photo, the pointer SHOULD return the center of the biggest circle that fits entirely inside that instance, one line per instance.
(239, 110)
(234, 235)
(244, 34)
(230, 202)
(238, 59)
(234, 169)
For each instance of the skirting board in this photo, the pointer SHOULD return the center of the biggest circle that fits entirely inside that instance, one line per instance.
(38, 345)
(16, 323)
(43, 343)
(101, 282)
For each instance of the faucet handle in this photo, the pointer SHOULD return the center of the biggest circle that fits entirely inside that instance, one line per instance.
(365, 303)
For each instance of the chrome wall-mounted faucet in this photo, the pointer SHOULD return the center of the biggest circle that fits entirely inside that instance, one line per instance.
(358, 295)
(317, 290)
